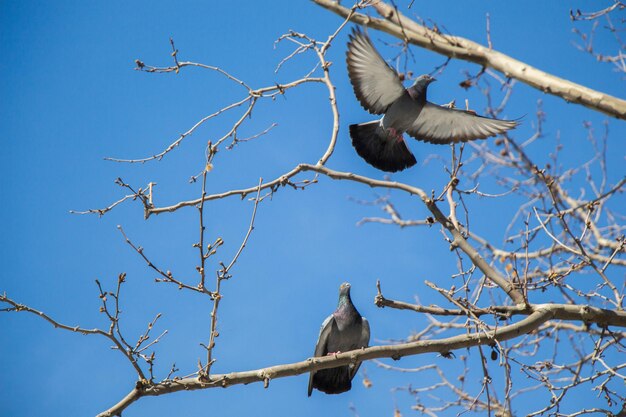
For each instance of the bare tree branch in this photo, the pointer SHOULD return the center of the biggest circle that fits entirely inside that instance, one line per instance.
(524, 326)
(457, 47)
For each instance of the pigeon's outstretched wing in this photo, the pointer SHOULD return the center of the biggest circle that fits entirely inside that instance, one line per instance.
(321, 348)
(375, 83)
(441, 125)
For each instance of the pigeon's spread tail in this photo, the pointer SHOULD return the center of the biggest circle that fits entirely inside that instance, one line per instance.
(379, 148)
(332, 381)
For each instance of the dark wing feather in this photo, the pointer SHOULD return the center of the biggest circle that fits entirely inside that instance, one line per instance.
(375, 83)
(364, 342)
(322, 343)
(380, 149)
(440, 125)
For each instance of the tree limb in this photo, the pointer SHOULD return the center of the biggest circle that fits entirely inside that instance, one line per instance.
(458, 241)
(541, 314)
(588, 314)
(457, 47)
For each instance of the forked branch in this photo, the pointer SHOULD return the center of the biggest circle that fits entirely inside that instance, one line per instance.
(443, 346)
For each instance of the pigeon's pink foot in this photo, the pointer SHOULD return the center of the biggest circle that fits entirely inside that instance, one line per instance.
(394, 133)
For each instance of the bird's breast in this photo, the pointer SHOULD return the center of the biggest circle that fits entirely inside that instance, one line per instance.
(401, 114)
(346, 337)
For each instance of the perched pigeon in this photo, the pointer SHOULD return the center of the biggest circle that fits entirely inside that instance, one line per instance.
(380, 91)
(342, 331)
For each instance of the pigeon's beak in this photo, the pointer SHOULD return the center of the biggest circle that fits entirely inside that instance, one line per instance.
(432, 79)
(344, 286)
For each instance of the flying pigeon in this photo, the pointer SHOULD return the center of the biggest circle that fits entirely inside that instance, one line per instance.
(342, 331)
(379, 89)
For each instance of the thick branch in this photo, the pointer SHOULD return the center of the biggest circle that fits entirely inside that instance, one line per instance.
(588, 314)
(461, 48)
(542, 314)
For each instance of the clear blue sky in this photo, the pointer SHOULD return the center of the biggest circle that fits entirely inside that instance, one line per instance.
(70, 97)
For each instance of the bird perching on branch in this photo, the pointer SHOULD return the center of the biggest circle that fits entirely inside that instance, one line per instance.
(342, 331)
(379, 89)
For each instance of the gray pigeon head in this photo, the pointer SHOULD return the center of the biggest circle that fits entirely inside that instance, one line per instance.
(418, 90)
(344, 293)
(423, 80)
(344, 289)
